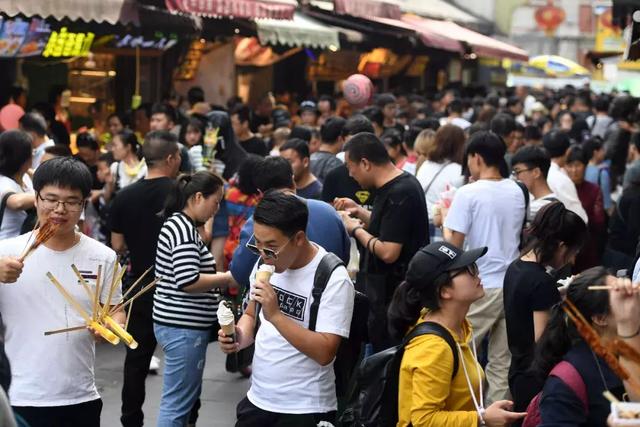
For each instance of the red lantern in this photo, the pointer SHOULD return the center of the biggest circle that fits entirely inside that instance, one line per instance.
(549, 17)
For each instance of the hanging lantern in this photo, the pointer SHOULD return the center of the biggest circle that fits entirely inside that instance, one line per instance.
(549, 17)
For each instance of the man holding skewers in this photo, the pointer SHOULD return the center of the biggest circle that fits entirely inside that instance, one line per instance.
(53, 381)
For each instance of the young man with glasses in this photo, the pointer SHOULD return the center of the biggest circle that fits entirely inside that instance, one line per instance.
(53, 376)
(293, 382)
(530, 165)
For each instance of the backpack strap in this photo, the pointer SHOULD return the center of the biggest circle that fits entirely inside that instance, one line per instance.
(566, 372)
(325, 269)
(525, 192)
(434, 328)
(3, 205)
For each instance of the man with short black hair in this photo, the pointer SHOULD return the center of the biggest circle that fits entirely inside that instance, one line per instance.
(36, 126)
(324, 160)
(163, 118)
(296, 152)
(53, 380)
(293, 381)
(376, 119)
(557, 144)
(251, 143)
(338, 183)
(454, 115)
(392, 232)
(530, 165)
(489, 212)
(326, 108)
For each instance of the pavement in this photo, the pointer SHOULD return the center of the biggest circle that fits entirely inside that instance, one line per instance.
(221, 391)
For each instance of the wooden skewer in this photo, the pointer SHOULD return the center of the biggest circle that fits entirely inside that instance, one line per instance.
(600, 288)
(610, 397)
(130, 300)
(115, 280)
(96, 299)
(132, 287)
(126, 323)
(44, 233)
(61, 331)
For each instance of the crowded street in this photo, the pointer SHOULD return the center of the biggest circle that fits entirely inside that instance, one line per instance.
(319, 213)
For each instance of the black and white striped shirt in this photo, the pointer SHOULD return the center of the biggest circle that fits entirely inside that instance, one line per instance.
(180, 258)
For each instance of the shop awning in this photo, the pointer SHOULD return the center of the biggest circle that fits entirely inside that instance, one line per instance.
(482, 45)
(429, 37)
(247, 9)
(367, 8)
(437, 9)
(111, 11)
(301, 31)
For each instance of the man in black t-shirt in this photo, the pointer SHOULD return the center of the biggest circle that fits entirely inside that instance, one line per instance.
(338, 183)
(391, 233)
(135, 226)
(247, 139)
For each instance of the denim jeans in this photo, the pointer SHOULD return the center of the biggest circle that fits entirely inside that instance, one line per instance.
(185, 351)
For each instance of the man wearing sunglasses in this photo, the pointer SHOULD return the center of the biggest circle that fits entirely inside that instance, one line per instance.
(292, 381)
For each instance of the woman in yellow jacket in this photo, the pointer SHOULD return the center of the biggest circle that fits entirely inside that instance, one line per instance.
(442, 281)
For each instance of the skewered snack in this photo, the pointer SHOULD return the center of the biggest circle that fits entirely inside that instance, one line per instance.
(44, 233)
(101, 320)
(607, 351)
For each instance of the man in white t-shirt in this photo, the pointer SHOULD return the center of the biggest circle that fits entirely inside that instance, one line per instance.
(53, 381)
(557, 144)
(36, 126)
(489, 212)
(530, 165)
(292, 382)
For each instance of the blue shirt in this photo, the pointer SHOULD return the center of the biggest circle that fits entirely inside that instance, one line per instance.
(599, 175)
(324, 228)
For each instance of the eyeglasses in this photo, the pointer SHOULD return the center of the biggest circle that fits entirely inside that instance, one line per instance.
(472, 269)
(516, 172)
(266, 252)
(52, 204)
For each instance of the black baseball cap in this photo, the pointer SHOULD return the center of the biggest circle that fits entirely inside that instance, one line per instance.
(438, 258)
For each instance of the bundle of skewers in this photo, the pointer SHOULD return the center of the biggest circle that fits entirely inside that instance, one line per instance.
(38, 237)
(608, 351)
(100, 320)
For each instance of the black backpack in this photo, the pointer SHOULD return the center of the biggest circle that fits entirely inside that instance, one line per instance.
(350, 349)
(373, 395)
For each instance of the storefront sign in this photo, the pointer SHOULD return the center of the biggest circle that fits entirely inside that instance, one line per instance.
(20, 38)
(64, 43)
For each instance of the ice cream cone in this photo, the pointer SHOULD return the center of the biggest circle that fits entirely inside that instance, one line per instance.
(264, 273)
(229, 330)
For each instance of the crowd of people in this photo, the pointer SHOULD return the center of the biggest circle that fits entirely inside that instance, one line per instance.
(485, 215)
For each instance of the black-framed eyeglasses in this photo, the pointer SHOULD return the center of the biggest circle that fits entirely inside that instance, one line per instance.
(516, 172)
(266, 252)
(51, 204)
(472, 269)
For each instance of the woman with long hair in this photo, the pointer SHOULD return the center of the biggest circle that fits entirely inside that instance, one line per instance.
(442, 168)
(442, 282)
(555, 236)
(16, 190)
(559, 403)
(185, 299)
(193, 138)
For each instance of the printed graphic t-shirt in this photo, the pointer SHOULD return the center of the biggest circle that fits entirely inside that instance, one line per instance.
(284, 380)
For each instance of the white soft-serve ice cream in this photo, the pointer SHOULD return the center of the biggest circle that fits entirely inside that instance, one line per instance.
(265, 272)
(226, 319)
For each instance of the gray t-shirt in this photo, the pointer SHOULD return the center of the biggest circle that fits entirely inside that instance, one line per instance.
(323, 162)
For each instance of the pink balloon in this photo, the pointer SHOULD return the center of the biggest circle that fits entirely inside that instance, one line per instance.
(358, 90)
(9, 116)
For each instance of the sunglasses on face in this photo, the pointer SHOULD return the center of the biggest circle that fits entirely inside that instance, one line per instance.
(472, 269)
(265, 252)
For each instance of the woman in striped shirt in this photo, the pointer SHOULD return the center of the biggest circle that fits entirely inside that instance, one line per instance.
(186, 297)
